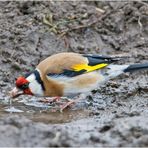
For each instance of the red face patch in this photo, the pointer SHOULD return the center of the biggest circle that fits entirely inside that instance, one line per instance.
(20, 81)
(27, 91)
(23, 84)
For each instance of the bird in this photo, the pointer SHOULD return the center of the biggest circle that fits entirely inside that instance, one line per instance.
(70, 74)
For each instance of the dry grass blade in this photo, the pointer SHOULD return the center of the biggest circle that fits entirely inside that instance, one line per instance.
(62, 27)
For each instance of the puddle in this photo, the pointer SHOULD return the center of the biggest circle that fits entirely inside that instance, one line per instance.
(41, 112)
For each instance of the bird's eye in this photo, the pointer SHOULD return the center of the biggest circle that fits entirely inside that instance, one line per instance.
(24, 86)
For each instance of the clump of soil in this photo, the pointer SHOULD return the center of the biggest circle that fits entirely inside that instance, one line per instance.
(31, 31)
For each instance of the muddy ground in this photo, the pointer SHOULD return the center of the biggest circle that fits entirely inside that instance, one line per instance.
(114, 115)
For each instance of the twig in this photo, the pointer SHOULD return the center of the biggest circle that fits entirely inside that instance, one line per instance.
(64, 32)
(140, 24)
(142, 2)
(57, 30)
(100, 10)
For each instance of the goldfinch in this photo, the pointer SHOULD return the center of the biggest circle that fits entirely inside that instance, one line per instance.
(66, 74)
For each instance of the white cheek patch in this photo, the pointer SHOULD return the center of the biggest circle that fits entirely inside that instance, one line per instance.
(31, 78)
(34, 86)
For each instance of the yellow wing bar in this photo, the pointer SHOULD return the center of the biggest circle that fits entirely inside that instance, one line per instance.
(88, 68)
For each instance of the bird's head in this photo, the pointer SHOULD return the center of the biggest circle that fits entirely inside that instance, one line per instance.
(31, 84)
(22, 87)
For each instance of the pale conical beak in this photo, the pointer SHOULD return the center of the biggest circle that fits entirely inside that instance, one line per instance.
(16, 92)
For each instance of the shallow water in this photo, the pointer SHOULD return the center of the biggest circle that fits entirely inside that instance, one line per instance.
(41, 112)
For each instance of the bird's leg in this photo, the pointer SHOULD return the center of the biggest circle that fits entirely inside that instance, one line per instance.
(68, 104)
(72, 101)
(50, 100)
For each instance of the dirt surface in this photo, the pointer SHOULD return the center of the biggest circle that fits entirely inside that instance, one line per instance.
(117, 112)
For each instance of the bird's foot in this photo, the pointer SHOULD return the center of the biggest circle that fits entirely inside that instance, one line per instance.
(64, 103)
(67, 104)
(71, 102)
(50, 100)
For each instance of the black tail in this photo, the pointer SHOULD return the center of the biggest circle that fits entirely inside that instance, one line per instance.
(134, 67)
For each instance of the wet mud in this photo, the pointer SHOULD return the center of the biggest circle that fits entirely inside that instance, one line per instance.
(116, 114)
